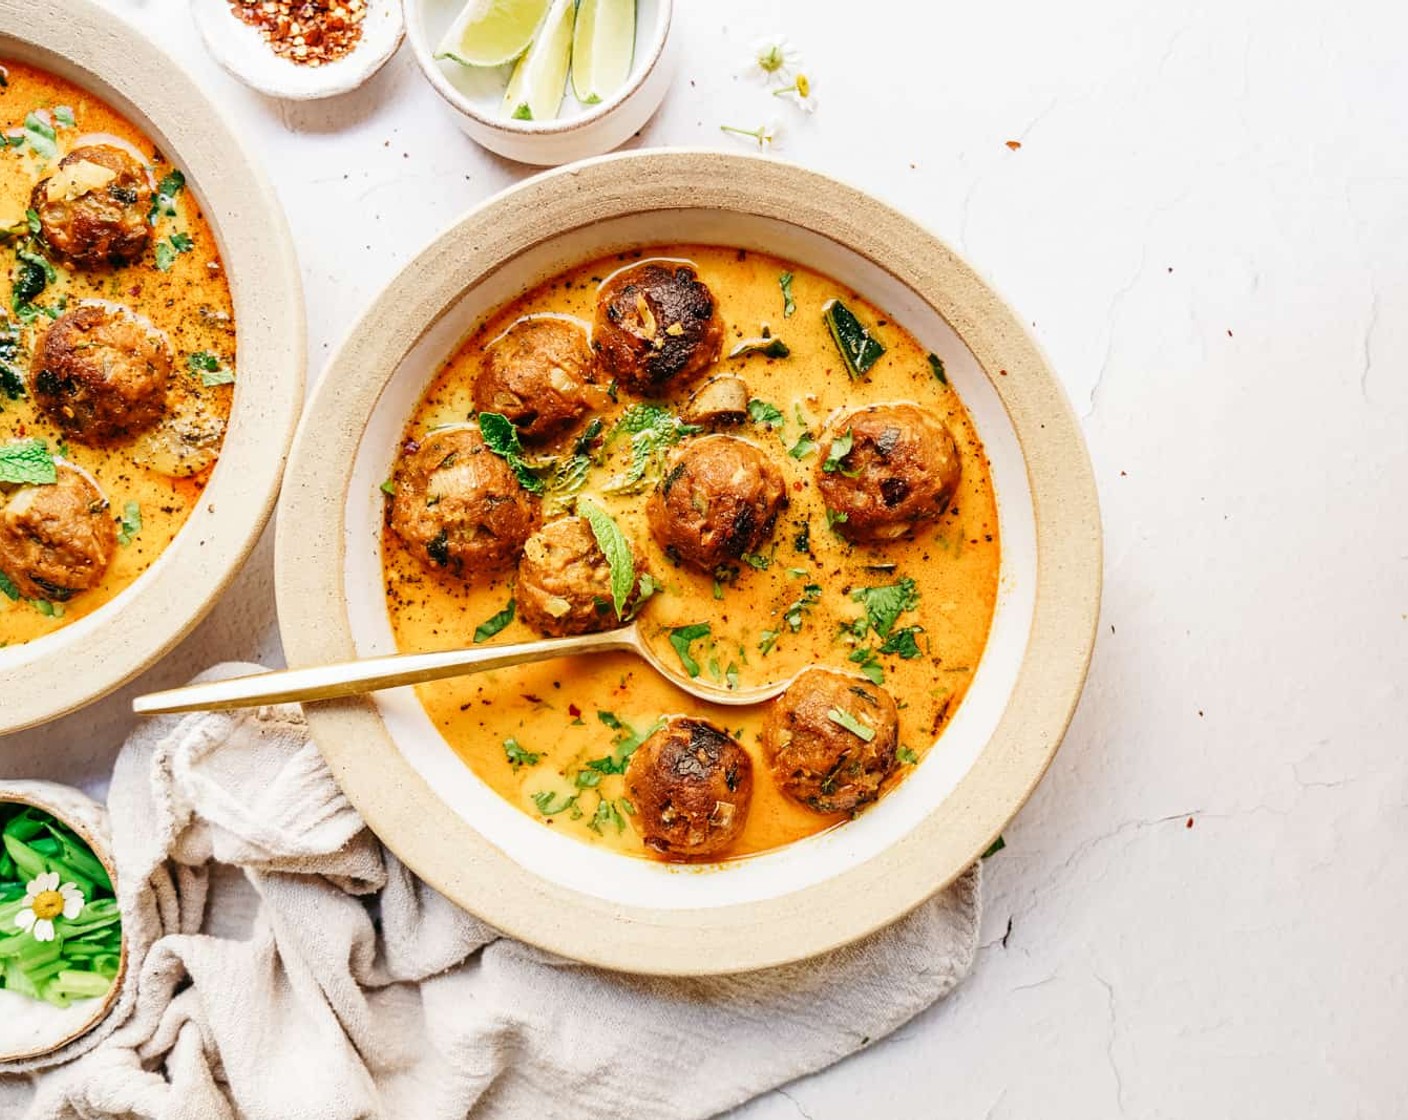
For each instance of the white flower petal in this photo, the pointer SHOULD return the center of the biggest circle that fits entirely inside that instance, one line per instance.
(73, 900)
(49, 881)
(24, 919)
(43, 930)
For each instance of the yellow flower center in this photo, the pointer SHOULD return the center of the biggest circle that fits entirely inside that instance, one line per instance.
(48, 904)
(771, 59)
(804, 87)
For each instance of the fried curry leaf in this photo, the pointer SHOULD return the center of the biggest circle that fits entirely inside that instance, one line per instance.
(501, 437)
(494, 623)
(27, 461)
(859, 348)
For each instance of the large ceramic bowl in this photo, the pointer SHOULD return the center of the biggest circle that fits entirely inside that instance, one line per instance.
(813, 895)
(101, 52)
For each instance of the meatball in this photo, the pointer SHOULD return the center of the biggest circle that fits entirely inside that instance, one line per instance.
(101, 373)
(458, 506)
(564, 581)
(656, 323)
(902, 468)
(691, 785)
(538, 374)
(57, 540)
(815, 758)
(718, 500)
(93, 209)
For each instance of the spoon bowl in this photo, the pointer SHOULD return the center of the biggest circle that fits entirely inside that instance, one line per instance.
(353, 678)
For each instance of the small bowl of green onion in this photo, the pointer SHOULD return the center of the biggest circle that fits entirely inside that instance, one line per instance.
(62, 952)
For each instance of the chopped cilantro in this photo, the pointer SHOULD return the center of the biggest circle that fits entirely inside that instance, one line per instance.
(869, 664)
(764, 414)
(834, 463)
(806, 445)
(130, 523)
(789, 305)
(907, 756)
(731, 675)
(937, 365)
(902, 642)
(494, 623)
(41, 135)
(609, 718)
(389, 488)
(682, 637)
(651, 428)
(167, 251)
(793, 615)
(210, 369)
(769, 639)
(884, 604)
(517, 756)
(164, 201)
(843, 718)
(549, 805)
(757, 560)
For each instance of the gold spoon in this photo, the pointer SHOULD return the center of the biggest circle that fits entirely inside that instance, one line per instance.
(352, 678)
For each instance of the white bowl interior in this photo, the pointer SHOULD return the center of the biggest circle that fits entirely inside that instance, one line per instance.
(481, 89)
(644, 883)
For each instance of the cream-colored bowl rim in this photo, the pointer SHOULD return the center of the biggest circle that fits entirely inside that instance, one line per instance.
(100, 51)
(465, 865)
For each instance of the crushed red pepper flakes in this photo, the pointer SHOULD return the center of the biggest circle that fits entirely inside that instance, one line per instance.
(308, 32)
(1014, 144)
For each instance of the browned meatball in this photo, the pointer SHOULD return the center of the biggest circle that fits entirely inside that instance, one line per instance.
(902, 468)
(815, 758)
(564, 581)
(101, 373)
(656, 323)
(538, 373)
(691, 785)
(458, 506)
(57, 540)
(718, 500)
(93, 209)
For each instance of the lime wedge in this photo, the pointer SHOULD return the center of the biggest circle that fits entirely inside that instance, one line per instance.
(540, 78)
(492, 32)
(602, 48)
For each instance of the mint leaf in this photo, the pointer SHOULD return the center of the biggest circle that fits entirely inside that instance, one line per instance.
(682, 637)
(41, 135)
(617, 551)
(27, 461)
(501, 437)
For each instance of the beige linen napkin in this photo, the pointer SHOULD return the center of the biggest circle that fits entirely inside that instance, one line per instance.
(322, 980)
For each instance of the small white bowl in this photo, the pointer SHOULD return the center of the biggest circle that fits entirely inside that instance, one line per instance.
(242, 50)
(475, 95)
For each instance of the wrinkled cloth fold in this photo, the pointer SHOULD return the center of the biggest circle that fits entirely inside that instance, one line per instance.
(284, 965)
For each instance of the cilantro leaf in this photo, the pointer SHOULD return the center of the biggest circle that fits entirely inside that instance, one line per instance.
(937, 365)
(843, 718)
(167, 251)
(501, 437)
(617, 550)
(995, 847)
(494, 623)
(27, 461)
(902, 642)
(806, 445)
(164, 201)
(765, 415)
(130, 523)
(517, 756)
(8, 588)
(210, 369)
(789, 305)
(907, 756)
(869, 664)
(682, 637)
(884, 604)
(835, 456)
(548, 804)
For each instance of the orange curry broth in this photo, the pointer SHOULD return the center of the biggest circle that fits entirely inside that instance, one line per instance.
(552, 709)
(190, 303)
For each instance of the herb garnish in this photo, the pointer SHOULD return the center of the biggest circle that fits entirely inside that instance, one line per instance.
(27, 462)
(884, 604)
(902, 642)
(835, 457)
(859, 348)
(682, 637)
(806, 445)
(517, 756)
(501, 437)
(548, 805)
(210, 369)
(845, 719)
(869, 664)
(164, 201)
(651, 428)
(767, 347)
(8, 588)
(617, 551)
(33, 273)
(130, 523)
(937, 365)
(768, 640)
(995, 847)
(811, 594)
(41, 135)
(789, 305)
(495, 622)
(907, 756)
(764, 414)
(167, 251)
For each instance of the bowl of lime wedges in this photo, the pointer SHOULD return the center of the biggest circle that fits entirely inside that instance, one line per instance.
(62, 951)
(545, 81)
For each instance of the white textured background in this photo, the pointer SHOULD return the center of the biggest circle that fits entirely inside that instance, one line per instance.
(1202, 911)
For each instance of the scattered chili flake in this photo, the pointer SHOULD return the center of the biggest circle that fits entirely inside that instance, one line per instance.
(308, 32)
(1014, 144)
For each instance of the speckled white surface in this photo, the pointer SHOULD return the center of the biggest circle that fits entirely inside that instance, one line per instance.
(1206, 226)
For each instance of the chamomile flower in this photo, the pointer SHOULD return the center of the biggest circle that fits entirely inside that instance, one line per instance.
(45, 900)
(800, 91)
(765, 136)
(773, 61)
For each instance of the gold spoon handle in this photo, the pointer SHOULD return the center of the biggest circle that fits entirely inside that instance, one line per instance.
(331, 682)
